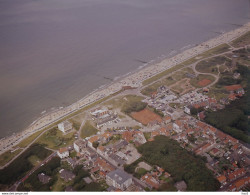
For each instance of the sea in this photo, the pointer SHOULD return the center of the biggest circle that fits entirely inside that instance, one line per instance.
(54, 52)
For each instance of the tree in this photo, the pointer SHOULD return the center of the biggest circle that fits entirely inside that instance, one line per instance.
(95, 144)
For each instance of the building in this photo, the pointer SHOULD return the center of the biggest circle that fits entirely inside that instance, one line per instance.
(80, 145)
(63, 153)
(66, 175)
(92, 140)
(181, 186)
(222, 179)
(187, 109)
(119, 179)
(87, 180)
(65, 126)
(96, 113)
(43, 178)
(71, 162)
(150, 181)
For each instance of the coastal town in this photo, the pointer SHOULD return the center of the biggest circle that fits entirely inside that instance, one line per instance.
(166, 110)
(135, 80)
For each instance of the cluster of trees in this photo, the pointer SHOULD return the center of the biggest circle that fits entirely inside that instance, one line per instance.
(195, 111)
(180, 163)
(131, 167)
(19, 167)
(236, 113)
(80, 185)
(33, 183)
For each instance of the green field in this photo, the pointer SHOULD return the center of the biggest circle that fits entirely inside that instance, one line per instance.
(217, 50)
(242, 41)
(210, 65)
(8, 155)
(34, 160)
(88, 129)
(162, 74)
(29, 139)
(55, 139)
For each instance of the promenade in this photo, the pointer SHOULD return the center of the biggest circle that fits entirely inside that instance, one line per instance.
(133, 80)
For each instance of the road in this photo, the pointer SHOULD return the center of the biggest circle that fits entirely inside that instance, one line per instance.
(24, 149)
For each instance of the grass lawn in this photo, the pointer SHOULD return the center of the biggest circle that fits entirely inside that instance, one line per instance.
(55, 139)
(217, 93)
(151, 88)
(60, 184)
(147, 135)
(162, 74)
(8, 155)
(77, 121)
(167, 81)
(34, 160)
(29, 139)
(242, 41)
(76, 124)
(217, 50)
(210, 65)
(200, 77)
(88, 130)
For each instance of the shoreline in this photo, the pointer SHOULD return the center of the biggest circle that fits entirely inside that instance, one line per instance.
(133, 79)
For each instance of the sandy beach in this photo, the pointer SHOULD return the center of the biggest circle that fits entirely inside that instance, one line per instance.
(133, 80)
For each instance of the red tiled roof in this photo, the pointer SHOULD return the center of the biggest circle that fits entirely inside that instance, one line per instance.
(107, 135)
(178, 122)
(212, 129)
(150, 181)
(221, 178)
(93, 139)
(236, 173)
(167, 174)
(232, 96)
(167, 118)
(231, 139)
(214, 150)
(128, 136)
(235, 146)
(233, 87)
(239, 184)
(201, 124)
(155, 133)
(62, 150)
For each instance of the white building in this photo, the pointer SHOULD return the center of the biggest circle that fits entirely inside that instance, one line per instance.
(63, 153)
(80, 145)
(187, 109)
(65, 126)
(119, 179)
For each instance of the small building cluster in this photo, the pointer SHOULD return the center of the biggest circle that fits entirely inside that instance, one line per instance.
(103, 116)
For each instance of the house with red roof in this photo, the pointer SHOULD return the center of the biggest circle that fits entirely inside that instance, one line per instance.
(150, 181)
(237, 173)
(167, 119)
(63, 152)
(222, 179)
(203, 148)
(128, 136)
(93, 139)
(235, 88)
(214, 151)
